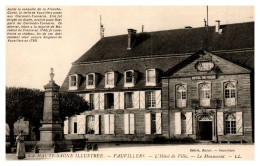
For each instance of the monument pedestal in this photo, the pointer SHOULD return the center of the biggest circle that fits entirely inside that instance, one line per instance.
(50, 134)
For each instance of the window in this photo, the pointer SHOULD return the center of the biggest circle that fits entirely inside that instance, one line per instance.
(153, 123)
(110, 79)
(75, 127)
(181, 96)
(150, 99)
(230, 93)
(183, 123)
(150, 77)
(90, 124)
(205, 94)
(90, 79)
(73, 82)
(230, 124)
(129, 77)
(91, 101)
(129, 99)
(110, 82)
(109, 101)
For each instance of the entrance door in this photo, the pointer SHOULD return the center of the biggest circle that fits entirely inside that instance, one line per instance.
(205, 130)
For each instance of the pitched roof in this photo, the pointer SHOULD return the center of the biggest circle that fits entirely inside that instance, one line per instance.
(243, 58)
(165, 50)
(178, 41)
(139, 65)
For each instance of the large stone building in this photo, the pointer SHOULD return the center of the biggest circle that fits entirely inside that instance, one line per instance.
(191, 82)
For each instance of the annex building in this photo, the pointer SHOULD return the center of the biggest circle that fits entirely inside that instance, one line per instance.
(190, 82)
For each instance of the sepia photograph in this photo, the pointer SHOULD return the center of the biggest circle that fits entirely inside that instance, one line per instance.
(130, 83)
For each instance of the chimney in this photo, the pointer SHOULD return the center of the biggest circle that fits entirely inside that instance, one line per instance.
(131, 38)
(217, 29)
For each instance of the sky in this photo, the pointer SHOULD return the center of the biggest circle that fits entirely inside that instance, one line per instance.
(28, 64)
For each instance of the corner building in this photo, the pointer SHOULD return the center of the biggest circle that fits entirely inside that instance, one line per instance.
(191, 82)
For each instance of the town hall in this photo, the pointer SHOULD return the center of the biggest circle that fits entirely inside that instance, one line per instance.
(195, 83)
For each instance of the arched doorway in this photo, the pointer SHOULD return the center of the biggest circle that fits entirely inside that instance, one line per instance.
(204, 127)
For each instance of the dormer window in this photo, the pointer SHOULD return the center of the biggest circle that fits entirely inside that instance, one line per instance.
(150, 77)
(90, 84)
(73, 82)
(110, 80)
(90, 80)
(129, 78)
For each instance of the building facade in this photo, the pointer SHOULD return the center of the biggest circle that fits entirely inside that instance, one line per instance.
(192, 82)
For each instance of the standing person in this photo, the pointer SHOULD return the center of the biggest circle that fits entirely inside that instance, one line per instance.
(20, 152)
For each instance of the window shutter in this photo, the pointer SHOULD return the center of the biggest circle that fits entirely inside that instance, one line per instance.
(101, 101)
(177, 122)
(105, 79)
(115, 78)
(81, 124)
(146, 99)
(87, 98)
(116, 100)
(78, 79)
(66, 126)
(126, 123)
(122, 100)
(97, 124)
(239, 123)
(96, 101)
(135, 76)
(112, 124)
(96, 79)
(156, 76)
(142, 99)
(136, 99)
(147, 123)
(106, 117)
(158, 123)
(132, 123)
(188, 122)
(220, 123)
(70, 119)
(158, 98)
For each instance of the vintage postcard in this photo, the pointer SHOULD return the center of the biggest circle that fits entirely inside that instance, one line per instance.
(130, 83)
